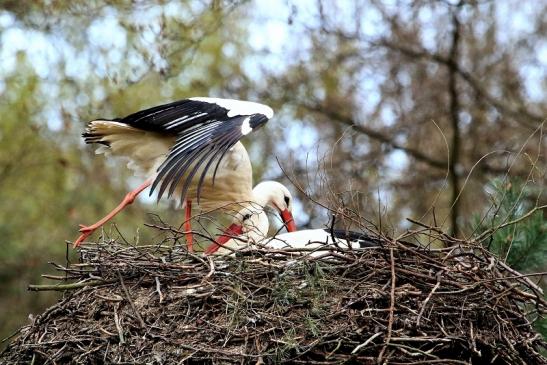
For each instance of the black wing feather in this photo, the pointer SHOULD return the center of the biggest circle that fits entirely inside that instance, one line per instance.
(222, 155)
(163, 118)
(206, 168)
(222, 150)
(182, 150)
(177, 170)
(221, 142)
(190, 152)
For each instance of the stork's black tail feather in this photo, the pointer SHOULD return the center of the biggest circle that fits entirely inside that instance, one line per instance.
(363, 239)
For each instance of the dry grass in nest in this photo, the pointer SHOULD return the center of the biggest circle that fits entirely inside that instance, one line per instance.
(396, 304)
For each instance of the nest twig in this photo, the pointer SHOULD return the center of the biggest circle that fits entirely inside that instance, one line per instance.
(397, 304)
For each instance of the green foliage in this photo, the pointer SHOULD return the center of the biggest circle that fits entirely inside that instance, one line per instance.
(288, 343)
(312, 324)
(523, 244)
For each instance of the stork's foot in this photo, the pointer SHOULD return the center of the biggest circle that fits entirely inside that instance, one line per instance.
(86, 232)
(129, 198)
(84, 228)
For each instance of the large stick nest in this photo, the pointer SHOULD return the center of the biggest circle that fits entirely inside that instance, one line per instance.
(396, 304)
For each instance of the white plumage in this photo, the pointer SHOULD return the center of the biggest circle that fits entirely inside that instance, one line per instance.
(143, 150)
(239, 107)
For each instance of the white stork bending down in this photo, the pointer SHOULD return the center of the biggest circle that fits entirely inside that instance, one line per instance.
(250, 227)
(175, 147)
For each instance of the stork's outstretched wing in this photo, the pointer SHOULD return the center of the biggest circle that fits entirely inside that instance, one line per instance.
(206, 128)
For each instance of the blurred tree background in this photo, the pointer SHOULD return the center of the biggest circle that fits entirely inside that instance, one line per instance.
(394, 109)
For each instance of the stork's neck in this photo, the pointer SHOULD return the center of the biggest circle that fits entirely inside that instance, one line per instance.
(259, 229)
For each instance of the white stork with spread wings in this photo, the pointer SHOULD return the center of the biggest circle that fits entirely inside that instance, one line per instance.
(191, 149)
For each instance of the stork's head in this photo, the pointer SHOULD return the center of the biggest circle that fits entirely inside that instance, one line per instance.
(251, 220)
(249, 225)
(277, 196)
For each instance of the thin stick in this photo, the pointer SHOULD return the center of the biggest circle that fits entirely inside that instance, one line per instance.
(72, 286)
(130, 301)
(369, 340)
(118, 325)
(158, 289)
(427, 299)
(391, 306)
(521, 218)
(211, 270)
(532, 285)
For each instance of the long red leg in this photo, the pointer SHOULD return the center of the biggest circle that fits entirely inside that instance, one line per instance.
(129, 198)
(188, 226)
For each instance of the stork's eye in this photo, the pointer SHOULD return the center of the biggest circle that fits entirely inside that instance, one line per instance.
(287, 199)
(246, 216)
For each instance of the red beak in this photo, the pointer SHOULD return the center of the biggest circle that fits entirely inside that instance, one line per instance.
(231, 232)
(288, 220)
